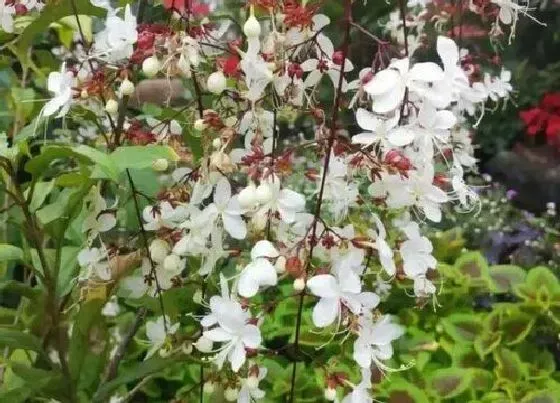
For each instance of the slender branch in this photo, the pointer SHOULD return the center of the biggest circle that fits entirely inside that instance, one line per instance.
(146, 246)
(402, 7)
(111, 371)
(332, 136)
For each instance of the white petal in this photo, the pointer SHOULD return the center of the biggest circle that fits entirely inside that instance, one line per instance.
(264, 248)
(445, 120)
(325, 311)
(324, 285)
(223, 192)
(309, 65)
(383, 82)
(428, 71)
(234, 225)
(401, 136)
(252, 336)
(217, 335)
(237, 357)
(448, 51)
(312, 78)
(367, 120)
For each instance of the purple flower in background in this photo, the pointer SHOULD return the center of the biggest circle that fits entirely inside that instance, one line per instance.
(511, 194)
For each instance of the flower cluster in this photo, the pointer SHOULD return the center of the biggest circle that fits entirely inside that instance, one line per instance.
(544, 118)
(247, 215)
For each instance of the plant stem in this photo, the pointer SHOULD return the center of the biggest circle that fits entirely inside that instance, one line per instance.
(332, 136)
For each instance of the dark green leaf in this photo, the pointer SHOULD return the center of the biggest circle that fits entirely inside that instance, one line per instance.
(450, 382)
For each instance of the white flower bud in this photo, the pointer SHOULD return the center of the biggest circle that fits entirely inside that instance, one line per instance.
(252, 28)
(164, 352)
(112, 106)
(204, 345)
(127, 88)
(197, 297)
(84, 94)
(172, 263)
(159, 249)
(217, 143)
(280, 265)
(248, 196)
(231, 394)
(252, 382)
(551, 206)
(330, 394)
(151, 66)
(187, 348)
(299, 284)
(199, 125)
(208, 387)
(264, 193)
(216, 82)
(160, 165)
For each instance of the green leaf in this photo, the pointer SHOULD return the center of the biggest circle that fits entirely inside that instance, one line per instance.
(10, 252)
(540, 286)
(474, 266)
(19, 288)
(17, 339)
(516, 327)
(402, 391)
(462, 328)
(541, 396)
(40, 193)
(53, 12)
(139, 157)
(509, 366)
(450, 382)
(506, 277)
(485, 343)
(140, 370)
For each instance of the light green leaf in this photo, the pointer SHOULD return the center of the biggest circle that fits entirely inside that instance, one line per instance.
(462, 327)
(139, 157)
(14, 338)
(10, 252)
(506, 277)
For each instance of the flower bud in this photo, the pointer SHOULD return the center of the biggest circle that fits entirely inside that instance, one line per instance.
(280, 265)
(199, 125)
(231, 394)
(252, 382)
(160, 165)
(112, 106)
(127, 88)
(217, 143)
(172, 263)
(84, 94)
(204, 345)
(208, 387)
(197, 297)
(248, 196)
(216, 82)
(159, 249)
(151, 66)
(330, 394)
(187, 348)
(252, 28)
(264, 193)
(299, 284)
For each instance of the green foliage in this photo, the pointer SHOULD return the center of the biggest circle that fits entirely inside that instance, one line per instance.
(464, 353)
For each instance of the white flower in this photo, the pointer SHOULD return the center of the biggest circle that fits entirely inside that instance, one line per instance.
(417, 190)
(116, 41)
(340, 191)
(97, 218)
(228, 209)
(383, 249)
(7, 13)
(387, 88)
(284, 201)
(210, 255)
(374, 341)
(423, 287)
(347, 257)
(259, 272)
(379, 129)
(297, 36)
(155, 330)
(249, 392)
(344, 289)
(111, 307)
(163, 216)
(316, 68)
(230, 326)
(94, 260)
(416, 253)
(59, 83)
(498, 87)
(360, 393)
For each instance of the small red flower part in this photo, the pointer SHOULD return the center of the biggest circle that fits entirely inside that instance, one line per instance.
(296, 15)
(193, 8)
(229, 65)
(544, 118)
